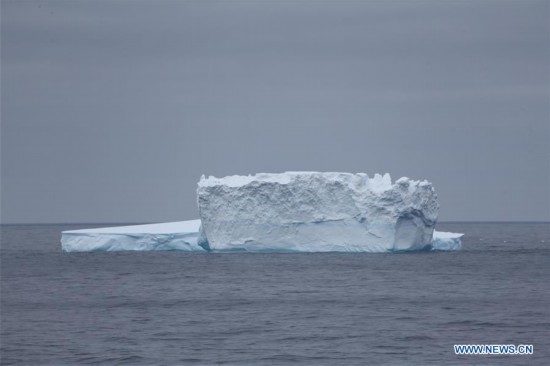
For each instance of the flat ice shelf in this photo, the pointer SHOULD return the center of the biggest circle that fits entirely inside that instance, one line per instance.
(181, 235)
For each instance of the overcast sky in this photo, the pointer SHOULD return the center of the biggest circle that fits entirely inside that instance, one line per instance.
(112, 110)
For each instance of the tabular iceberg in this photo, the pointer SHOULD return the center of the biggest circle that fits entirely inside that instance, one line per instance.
(180, 236)
(290, 212)
(316, 212)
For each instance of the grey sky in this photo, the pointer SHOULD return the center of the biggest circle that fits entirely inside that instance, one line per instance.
(111, 110)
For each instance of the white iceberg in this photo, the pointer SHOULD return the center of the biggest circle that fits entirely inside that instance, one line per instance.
(180, 236)
(316, 212)
(447, 241)
(290, 212)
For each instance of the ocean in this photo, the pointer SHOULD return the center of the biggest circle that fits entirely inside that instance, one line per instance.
(175, 308)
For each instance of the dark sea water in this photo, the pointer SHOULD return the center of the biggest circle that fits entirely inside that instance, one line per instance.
(174, 308)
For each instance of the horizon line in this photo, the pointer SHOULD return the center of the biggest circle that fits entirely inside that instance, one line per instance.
(146, 223)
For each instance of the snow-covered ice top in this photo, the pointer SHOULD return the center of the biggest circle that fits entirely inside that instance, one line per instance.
(378, 183)
(161, 228)
(313, 211)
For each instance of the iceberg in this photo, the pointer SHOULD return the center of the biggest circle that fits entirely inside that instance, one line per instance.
(316, 212)
(447, 241)
(180, 236)
(290, 212)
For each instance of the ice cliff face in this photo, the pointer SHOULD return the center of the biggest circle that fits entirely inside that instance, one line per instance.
(316, 212)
